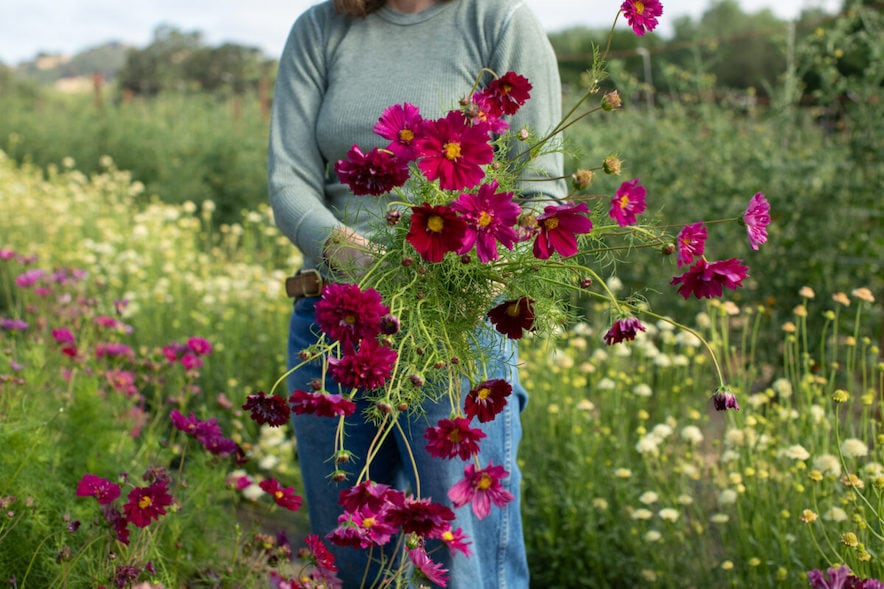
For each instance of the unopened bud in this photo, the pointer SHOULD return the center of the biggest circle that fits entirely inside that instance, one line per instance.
(339, 476)
(581, 179)
(465, 259)
(406, 262)
(585, 282)
(611, 165)
(416, 380)
(402, 406)
(668, 249)
(384, 408)
(393, 217)
(611, 100)
(523, 135)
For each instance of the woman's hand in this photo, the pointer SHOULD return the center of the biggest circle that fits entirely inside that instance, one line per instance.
(347, 252)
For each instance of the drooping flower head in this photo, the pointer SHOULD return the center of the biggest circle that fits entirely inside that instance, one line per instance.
(623, 329)
(377, 172)
(401, 124)
(483, 111)
(628, 203)
(436, 230)
(147, 504)
(487, 399)
(423, 517)
(723, 399)
(102, 489)
(367, 368)
(481, 488)
(426, 569)
(707, 279)
(454, 152)
(508, 92)
(490, 217)
(320, 556)
(691, 241)
(511, 317)
(349, 314)
(642, 14)
(321, 404)
(270, 409)
(559, 226)
(283, 496)
(757, 218)
(453, 437)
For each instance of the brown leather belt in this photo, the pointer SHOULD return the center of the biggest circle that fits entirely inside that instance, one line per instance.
(306, 283)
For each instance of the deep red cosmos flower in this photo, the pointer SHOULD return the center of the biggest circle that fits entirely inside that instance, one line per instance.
(377, 172)
(94, 486)
(490, 217)
(321, 404)
(691, 242)
(724, 399)
(481, 488)
(559, 225)
(628, 203)
(454, 152)
(453, 437)
(147, 504)
(487, 399)
(283, 496)
(420, 516)
(485, 112)
(348, 314)
(369, 494)
(623, 329)
(208, 432)
(270, 409)
(642, 14)
(706, 280)
(511, 317)
(436, 230)
(508, 92)
(401, 124)
(320, 556)
(367, 368)
(116, 519)
(426, 569)
(757, 218)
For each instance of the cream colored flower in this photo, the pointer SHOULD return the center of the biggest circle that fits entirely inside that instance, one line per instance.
(863, 294)
(727, 497)
(692, 434)
(669, 514)
(841, 298)
(653, 536)
(648, 497)
(828, 464)
(854, 448)
(797, 452)
(835, 514)
(642, 514)
(806, 292)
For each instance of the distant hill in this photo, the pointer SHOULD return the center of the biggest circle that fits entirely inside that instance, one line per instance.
(106, 60)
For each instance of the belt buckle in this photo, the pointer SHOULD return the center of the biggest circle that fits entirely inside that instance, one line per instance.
(317, 278)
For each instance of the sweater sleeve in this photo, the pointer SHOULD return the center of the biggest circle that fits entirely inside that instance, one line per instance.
(296, 167)
(522, 46)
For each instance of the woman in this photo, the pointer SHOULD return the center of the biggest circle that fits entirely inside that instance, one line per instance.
(344, 63)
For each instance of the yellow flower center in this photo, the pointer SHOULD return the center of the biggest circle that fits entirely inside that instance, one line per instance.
(454, 436)
(639, 7)
(435, 223)
(485, 482)
(624, 201)
(349, 319)
(551, 223)
(368, 522)
(279, 494)
(483, 393)
(484, 219)
(513, 310)
(447, 536)
(452, 150)
(406, 135)
(144, 502)
(505, 88)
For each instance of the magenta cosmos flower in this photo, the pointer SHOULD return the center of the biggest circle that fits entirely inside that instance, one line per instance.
(481, 488)
(435, 231)
(426, 569)
(147, 504)
(706, 280)
(456, 540)
(490, 217)
(377, 172)
(507, 93)
(628, 203)
(401, 124)
(102, 489)
(283, 496)
(623, 329)
(487, 399)
(757, 218)
(367, 368)
(559, 226)
(348, 314)
(511, 317)
(691, 241)
(642, 14)
(272, 410)
(321, 404)
(420, 516)
(454, 152)
(453, 437)
(320, 556)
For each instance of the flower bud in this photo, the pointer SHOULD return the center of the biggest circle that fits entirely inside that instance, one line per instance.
(406, 262)
(668, 249)
(439, 365)
(585, 282)
(390, 324)
(611, 165)
(393, 217)
(465, 259)
(611, 101)
(339, 476)
(581, 179)
(316, 384)
(384, 408)
(416, 380)
(523, 135)
(402, 406)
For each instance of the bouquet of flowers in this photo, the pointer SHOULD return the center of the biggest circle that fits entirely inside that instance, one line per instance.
(461, 254)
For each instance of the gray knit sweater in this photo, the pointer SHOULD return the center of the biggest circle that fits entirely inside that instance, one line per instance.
(337, 75)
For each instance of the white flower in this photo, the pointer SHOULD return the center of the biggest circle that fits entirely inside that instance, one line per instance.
(623, 473)
(719, 518)
(653, 536)
(642, 390)
(684, 499)
(252, 492)
(692, 434)
(585, 405)
(873, 469)
(662, 431)
(735, 437)
(854, 448)
(642, 513)
(782, 387)
(828, 463)
(686, 338)
(669, 514)
(818, 413)
(614, 283)
(835, 514)
(600, 503)
(647, 445)
(757, 400)
(727, 497)
(663, 361)
(648, 497)
(729, 456)
(606, 384)
(796, 452)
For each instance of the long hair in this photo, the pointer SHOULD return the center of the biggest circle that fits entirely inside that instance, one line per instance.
(359, 7)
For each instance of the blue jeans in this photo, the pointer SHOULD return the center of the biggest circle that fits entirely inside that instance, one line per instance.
(498, 558)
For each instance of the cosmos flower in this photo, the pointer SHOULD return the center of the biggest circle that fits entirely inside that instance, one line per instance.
(628, 202)
(487, 399)
(426, 569)
(348, 314)
(724, 399)
(757, 218)
(321, 404)
(320, 556)
(642, 14)
(559, 226)
(272, 410)
(456, 540)
(377, 172)
(199, 346)
(691, 241)
(623, 329)
(481, 488)
(436, 230)
(508, 93)
(490, 217)
(367, 368)
(147, 504)
(706, 280)
(453, 437)
(94, 486)
(454, 152)
(420, 516)
(401, 124)
(283, 496)
(511, 317)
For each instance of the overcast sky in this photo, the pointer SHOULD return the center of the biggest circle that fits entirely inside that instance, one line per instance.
(28, 27)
